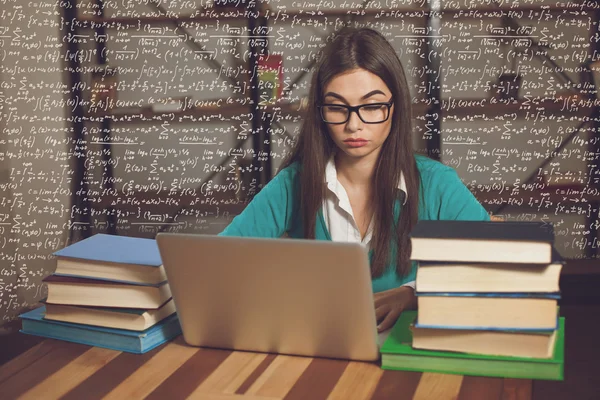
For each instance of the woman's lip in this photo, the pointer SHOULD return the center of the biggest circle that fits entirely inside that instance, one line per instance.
(356, 143)
(355, 140)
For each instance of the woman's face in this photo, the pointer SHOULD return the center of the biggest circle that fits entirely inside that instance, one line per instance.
(355, 138)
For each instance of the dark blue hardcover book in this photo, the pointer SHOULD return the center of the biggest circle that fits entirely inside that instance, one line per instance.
(531, 231)
(138, 342)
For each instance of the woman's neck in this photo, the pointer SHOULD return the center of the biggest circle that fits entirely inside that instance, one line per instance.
(356, 171)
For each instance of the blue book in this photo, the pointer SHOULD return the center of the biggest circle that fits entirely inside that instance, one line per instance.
(112, 258)
(137, 342)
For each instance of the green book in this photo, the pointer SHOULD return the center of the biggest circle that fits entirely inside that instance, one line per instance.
(397, 354)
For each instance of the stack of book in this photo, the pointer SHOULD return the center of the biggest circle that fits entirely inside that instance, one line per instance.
(487, 297)
(107, 291)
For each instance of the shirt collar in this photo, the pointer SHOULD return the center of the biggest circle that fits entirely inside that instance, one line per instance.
(331, 179)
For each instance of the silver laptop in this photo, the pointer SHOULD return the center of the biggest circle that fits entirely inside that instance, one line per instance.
(287, 296)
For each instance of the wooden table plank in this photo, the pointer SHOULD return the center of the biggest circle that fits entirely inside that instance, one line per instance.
(110, 376)
(146, 378)
(234, 396)
(358, 381)
(318, 380)
(258, 371)
(479, 387)
(438, 386)
(397, 385)
(517, 389)
(15, 344)
(190, 375)
(280, 376)
(60, 355)
(26, 359)
(71, 375)
(230, 375)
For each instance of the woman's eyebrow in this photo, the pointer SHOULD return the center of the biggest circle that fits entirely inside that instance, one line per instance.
(371, 93)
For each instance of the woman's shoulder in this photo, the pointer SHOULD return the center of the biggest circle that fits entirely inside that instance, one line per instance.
(290, 170)
(435, 174)
(428, 166)
(288, 173)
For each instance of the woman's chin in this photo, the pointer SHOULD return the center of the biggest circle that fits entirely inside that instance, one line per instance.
(357, 152)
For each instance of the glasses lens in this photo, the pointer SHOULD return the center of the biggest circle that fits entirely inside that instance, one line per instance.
(374, 113)
(335, 114)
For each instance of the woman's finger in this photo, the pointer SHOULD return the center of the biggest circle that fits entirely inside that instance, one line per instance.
(381, 312)
(381, 300)
(389, 320)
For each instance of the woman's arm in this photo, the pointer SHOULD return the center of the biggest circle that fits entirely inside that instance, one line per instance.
(270, 212)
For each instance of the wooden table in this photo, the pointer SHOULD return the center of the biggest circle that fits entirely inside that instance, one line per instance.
(57, 369)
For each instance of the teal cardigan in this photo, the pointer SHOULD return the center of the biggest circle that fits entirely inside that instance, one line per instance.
(275, 211)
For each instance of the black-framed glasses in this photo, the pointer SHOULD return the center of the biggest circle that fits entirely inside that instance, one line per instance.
(371, 113)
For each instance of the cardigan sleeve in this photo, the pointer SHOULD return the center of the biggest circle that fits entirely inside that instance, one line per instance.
(269, 213)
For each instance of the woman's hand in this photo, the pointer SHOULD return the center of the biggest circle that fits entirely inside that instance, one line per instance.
(390, 304)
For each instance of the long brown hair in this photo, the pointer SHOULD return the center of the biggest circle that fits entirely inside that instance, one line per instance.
(365, 48)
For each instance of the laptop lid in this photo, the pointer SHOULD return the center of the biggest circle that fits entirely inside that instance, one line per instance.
(286, 296)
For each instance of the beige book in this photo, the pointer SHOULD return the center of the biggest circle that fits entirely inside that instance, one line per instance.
(119, 318)
(101, 293)
(485, 311)
(495, 343)
(135, 273)
(488, 277)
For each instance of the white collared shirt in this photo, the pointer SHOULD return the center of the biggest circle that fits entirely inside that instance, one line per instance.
(338, 214)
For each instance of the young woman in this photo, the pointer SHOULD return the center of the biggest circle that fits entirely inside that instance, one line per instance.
(352, 175)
